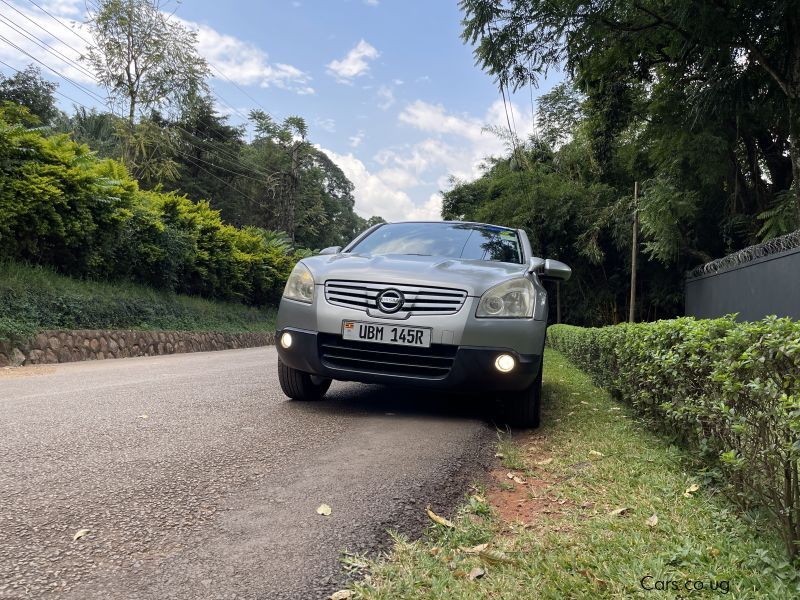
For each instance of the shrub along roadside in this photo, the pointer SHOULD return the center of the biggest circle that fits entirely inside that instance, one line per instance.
(33, 299)
(730, 390)
(64, 207)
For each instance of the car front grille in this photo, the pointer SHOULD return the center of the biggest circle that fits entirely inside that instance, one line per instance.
(417, 299)
(384, 359)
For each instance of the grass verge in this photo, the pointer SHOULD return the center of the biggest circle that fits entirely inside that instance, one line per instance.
(601, 508)
(33, 299)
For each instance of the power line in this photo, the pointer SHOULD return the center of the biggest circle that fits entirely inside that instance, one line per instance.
(238, 87)
(57, 20)
(5, 64)
(254, 201)
(43, 45)
(214, 93)
(267, 178)
(47, 31)
(49, 68)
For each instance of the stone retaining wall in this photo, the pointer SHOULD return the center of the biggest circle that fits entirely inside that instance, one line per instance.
(68, 346)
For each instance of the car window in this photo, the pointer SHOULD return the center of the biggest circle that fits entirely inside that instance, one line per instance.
(453, 240)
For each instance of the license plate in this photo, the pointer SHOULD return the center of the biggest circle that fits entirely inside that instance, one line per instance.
(401, 335)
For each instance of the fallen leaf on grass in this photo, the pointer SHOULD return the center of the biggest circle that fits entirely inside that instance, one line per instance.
(341, 595)
(475, 549)
(437, 519)
(544, 462)
(475, 573)
(653, 520)
(584, 402)
(478, 498)
(324, 510)
(80, 533)
(499, 455)
(619, 512)
(614, 408)
(589, 575)
(691, 490)
(495, 557)
(596, 453)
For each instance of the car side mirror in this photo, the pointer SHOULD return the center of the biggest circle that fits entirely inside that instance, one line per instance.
(331, 250)
(555, 269)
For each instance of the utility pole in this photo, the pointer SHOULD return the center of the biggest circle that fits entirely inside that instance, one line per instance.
(634, 248)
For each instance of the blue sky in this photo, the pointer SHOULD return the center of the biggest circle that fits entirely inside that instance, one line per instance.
(387, 87)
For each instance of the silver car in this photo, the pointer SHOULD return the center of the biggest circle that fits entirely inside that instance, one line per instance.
(448, 305)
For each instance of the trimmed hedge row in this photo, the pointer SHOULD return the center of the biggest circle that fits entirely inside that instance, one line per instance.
(730, 390)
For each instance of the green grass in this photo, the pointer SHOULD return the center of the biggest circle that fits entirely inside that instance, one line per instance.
(604, 458)
(34, 299)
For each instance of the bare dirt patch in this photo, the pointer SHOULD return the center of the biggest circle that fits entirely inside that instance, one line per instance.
(524, 496)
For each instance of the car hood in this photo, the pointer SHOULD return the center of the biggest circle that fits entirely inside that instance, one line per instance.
(474, 276)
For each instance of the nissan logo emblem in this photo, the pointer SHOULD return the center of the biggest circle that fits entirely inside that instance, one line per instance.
(390, 301)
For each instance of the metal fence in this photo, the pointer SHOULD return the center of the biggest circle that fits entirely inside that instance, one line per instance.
(755, 282)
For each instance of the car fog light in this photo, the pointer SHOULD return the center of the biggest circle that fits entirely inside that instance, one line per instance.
(504, 363)
(286, 340)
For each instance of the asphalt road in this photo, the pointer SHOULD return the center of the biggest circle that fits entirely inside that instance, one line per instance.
(197, 478)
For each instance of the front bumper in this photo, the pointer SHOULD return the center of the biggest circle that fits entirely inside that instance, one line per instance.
(467, 367)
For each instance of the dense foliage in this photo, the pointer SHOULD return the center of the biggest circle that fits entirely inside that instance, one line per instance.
(697, 101)
(61, 205)
(33, 299)
(731, 390)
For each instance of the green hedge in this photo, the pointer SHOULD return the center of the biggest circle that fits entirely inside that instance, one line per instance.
(63, 207)
(33, 299)
(731, 390)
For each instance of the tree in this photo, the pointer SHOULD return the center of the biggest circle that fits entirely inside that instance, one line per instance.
(145, 59)
(710, 48)
(29, 89)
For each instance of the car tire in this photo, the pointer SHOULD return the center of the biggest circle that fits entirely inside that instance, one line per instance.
(299, 385)
(523, 409)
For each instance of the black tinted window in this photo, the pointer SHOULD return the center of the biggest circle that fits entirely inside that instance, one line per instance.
(453, 240)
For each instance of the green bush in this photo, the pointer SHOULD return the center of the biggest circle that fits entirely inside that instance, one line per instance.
(731, 390)
(33, 299)
(62, 206)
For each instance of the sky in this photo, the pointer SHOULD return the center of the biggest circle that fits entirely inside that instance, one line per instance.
(387, 87)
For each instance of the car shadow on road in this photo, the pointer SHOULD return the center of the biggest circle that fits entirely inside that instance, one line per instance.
(362, 400)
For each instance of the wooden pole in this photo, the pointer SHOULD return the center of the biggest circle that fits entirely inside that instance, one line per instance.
(634, 248)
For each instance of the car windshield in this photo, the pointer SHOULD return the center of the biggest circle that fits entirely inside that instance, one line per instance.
(453, 240)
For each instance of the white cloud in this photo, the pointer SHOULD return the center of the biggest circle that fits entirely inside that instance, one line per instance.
(385, 97)
(398, 177)
(246, 63)
(458, 143)
(328, 125)
(374, 196)
(355, 64)
(372, 2)
(64, 57)
(355, 140)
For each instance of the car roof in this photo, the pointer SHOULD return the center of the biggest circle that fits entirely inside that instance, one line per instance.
(459, 223)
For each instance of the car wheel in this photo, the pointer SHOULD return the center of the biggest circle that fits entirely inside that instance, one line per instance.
(301, 386)
(523, 409)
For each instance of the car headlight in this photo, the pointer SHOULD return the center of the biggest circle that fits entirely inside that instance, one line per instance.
(511, 299)
(300, 285)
